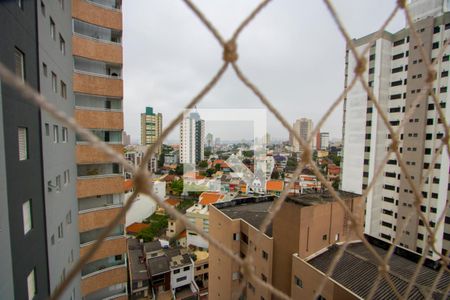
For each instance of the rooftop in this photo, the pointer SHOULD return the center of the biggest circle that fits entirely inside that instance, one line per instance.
(172, 201)
(136, 228)
(357, 270)
(275, 185)
(158, 265)
(137, 265)
(152, 246)
(206, 198)
(252, 210)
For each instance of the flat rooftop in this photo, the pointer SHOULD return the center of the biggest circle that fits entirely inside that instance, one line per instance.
(252, 210)
(357, 271)
(137, 265)
(158, 265)
(317, 198)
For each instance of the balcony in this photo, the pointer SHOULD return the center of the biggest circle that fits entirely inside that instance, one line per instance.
(87, 154)
(93, 186)
(95, 84)
(90, 236)
(110, 4)
(99, 170)
(103, 265)
(98, 12)
(97, 103)
(107, 136)
(90, 204)
(109, 247)
(92, 220)
(97, 68)
(105, 285)
(101, 119)
(85, 46)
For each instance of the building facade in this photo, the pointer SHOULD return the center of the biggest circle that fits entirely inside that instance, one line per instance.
(303, 127)
(24, 275)
(396, 75)
(98, 91)
(304, 225)
(324, 141)
(151, 127)
(192, 138)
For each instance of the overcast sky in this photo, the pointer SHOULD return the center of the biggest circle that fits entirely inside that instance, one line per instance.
(292, 51)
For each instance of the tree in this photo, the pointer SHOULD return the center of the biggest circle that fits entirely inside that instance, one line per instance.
(275, 175)
(179, 170)
(203, 164)
(217, 167)
(177, 186)
(209, 172)
(335, 184)
(248, 153)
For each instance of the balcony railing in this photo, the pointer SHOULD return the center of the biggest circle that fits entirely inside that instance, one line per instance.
(97, 68)
(89, 204)
(108, 293)
(107, 136)
(109, 4)
(99, 170)
(99, 103)
(88, 237)
(96, 32)
(103, 265)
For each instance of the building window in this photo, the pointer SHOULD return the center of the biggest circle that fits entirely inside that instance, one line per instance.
(181, 278)
(43, 8)
(27, 216)
(47, 129)
(244, 238)
(44, 69)
(69, 221)
(22, 134)
(19, 58)
(265, 255)
(298, 281)
(63, 90)
(61, 4)
(176, 271)
(62, 45)
(55, 134)
(60, 231)
(186, 268)
(235, 236)
(66, 177)
(65, 135)
(54, 83)
(31, 284)
(58, 183)
(52, 29)
(324, 237)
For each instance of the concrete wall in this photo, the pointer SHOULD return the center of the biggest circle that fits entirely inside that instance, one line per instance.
(61, 206)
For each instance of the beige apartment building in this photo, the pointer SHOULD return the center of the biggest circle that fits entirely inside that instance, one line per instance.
(305, 224)
(303, 127)
(151, 127)
(98, 90)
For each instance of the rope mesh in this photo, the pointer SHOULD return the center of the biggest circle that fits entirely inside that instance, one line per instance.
(143, 185)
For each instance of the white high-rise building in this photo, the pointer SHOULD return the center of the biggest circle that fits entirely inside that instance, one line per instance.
(324, 140)
(192, 138)
(396, 75)
(303, 127)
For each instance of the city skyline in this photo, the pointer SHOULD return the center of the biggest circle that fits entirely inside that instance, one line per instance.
(161, 76)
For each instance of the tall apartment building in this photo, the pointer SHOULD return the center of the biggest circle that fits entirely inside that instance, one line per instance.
(151, 127)
(58, 142)
(192, 139)
(396, 74)
(324, 141)
(23, 247)
(37, 46)
(303, 127)
(98, 90)
(304, 225)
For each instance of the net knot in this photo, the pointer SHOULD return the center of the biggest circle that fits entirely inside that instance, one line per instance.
(401, 3)
(361, 66)
(432, 75)
(230, 51)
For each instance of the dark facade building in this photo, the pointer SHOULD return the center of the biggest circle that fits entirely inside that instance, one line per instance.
(22, 211)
